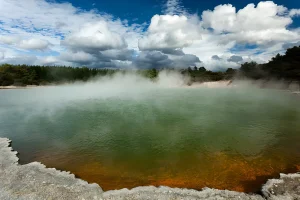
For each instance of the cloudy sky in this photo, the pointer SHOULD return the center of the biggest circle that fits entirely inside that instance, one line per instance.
(216, 34)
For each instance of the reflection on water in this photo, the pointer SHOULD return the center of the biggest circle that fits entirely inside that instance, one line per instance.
(222, 138)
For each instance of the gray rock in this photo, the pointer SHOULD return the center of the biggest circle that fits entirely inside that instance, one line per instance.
(287, 187)
(147, 193)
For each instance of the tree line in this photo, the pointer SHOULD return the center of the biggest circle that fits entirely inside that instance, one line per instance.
(282, 67)
(21, 75)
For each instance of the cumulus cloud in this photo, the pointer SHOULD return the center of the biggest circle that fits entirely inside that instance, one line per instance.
(118, 54)
(220, 65)
(108, 59)
(186, 60)
(49, 61)
(173, 7)
(94, 37)
(157, 59)
(215, 57)
(294, 13)
(60, 30)
(8, 39)
(29, 44)
(235, 59)
(266, 15)
(264, 27)
(152, 59)
(177, 52)
(19, 60)
(65, 35)
(263, 37)
(34, 44)
(78, 57)
(290, 45)
(170, 32)
(261, 24)
(1, 55)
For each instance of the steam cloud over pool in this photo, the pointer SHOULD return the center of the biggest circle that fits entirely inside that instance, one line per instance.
(127, 131)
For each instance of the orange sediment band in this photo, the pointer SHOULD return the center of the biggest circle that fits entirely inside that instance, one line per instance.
(221, 172)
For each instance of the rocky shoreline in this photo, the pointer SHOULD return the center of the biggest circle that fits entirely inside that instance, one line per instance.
(35, 181)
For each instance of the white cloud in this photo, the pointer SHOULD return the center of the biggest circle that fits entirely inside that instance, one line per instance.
(19, 60)
(49, 60)
(157, 59)
(78, 57)
(173, 7)
(294, 13)
(222, 18)
(262, 37)
(220, 65)
(290, 45)
(116, 54)
(66, 35)
(186, 60)
(215, 57)
(9, 39)
(44, 25)
(264, 26)
(94, 37)
(209, 45)
(29, 44)
(266, 15)
(265, 23)
(1, 55)
(152, 59)
(236, 59)
(170, 32)
(34, 44)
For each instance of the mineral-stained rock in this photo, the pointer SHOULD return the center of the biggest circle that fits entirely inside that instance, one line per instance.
(287, 187)
(176, 194)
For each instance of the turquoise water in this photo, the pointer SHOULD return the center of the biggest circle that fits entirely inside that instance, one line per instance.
(227, 138)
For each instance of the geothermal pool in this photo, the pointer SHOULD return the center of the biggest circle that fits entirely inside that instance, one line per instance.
(128, 135)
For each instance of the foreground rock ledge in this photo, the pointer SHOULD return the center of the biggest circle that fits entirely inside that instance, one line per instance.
(35, 181)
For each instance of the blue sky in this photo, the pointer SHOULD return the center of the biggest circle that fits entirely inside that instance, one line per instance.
(216, 34)
(142, 11)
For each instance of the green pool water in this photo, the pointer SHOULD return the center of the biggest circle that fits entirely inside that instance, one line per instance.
(226, 138)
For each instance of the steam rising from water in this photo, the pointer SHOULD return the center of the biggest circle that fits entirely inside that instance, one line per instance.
(154, 130)
(120, 85)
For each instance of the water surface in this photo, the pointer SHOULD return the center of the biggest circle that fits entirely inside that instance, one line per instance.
(226, 138)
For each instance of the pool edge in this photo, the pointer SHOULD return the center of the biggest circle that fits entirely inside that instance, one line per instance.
(35, 181)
